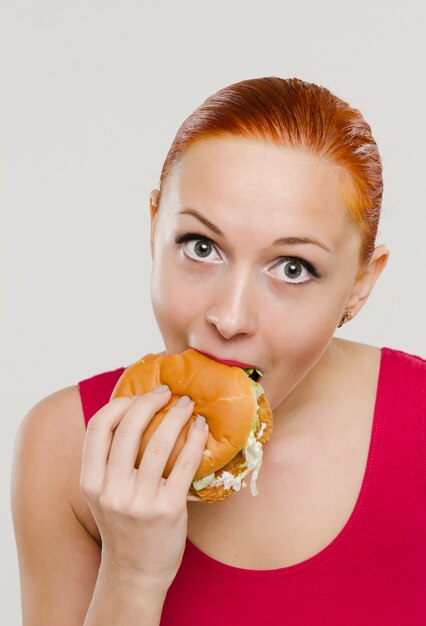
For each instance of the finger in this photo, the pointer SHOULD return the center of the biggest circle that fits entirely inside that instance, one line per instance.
(127, 437)
(188, 461)
(97, 443)
(158, 449)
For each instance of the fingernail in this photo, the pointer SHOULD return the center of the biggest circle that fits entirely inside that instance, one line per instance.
(199, 422)
(183, 401)
(161, 389)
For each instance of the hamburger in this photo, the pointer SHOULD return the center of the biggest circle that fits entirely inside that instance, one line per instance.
(233, 403)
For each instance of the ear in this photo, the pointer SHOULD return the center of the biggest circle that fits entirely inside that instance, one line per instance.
(366, 279)
(154, 195)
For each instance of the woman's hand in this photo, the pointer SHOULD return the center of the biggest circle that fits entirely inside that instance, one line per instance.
(142, 517)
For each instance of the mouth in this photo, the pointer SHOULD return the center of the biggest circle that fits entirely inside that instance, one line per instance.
(254, 373)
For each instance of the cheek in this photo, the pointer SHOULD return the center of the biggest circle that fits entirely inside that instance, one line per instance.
(302, 318)
(163, 291)
(306, 348)
(296, 345)
(173, 300)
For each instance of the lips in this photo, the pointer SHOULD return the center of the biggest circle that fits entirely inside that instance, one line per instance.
(228, 361)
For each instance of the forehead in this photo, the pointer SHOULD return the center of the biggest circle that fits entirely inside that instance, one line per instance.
(239, 182)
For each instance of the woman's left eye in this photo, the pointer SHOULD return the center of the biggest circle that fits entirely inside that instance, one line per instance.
(295, 271)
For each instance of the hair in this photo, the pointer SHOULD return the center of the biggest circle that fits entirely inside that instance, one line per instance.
(294, 113)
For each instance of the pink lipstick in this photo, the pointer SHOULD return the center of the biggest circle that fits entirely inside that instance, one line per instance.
(227, 361)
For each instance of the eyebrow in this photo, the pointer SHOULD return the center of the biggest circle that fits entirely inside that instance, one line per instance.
(278, 242)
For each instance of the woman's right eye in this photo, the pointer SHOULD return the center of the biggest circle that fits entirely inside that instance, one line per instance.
(198, 249)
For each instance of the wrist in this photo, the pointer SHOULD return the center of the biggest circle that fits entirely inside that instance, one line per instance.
(117, 576)
(120, 598)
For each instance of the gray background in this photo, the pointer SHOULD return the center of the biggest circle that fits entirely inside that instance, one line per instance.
(92, 96)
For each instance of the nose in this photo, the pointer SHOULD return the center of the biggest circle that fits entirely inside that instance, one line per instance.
(233, 307)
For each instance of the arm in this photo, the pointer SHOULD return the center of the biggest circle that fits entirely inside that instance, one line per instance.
(119, 600)
(62, 578)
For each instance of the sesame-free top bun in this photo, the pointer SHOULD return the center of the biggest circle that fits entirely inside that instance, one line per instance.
(224, 395)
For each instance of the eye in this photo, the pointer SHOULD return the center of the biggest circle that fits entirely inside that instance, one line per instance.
(295, 271)
(199, 248)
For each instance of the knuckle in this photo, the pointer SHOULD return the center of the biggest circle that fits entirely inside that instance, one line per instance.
(157, 395)
(110, 503)
(155, 399)
(104, 418)
(121, 401)
(126, 430)
(187, 464)
(166, 510)
(89, 489)
(136, 511)
(156, 446)
(94, 423)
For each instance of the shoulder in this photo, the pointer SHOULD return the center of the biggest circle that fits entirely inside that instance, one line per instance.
(401, 375)
(358, 360)
(359, 352)
(56, 423)
(51, 435)
(55, 416)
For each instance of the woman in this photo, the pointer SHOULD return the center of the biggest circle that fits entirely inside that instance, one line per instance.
(263, 243)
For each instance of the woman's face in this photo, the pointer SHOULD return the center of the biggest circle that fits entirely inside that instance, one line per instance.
(233, 289)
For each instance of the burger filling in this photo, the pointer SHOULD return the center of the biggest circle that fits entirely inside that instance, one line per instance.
(252, 452)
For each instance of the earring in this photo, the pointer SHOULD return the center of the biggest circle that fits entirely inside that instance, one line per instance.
(346, 317)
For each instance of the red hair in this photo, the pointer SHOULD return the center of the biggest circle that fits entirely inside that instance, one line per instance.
(292, 112)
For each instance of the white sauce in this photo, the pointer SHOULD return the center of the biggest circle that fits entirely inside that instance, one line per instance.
(260, 433)
(253, 453)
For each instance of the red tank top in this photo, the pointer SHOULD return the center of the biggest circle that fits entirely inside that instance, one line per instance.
(373, 573)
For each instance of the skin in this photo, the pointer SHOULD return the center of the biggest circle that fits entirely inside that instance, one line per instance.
(238, 302)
